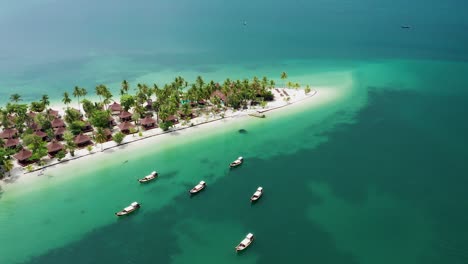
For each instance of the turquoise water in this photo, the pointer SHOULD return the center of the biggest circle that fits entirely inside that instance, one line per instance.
(376, 174)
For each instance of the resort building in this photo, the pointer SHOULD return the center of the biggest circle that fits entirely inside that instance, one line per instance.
(82, 141)
(148, 123)
(23, 157)
(115, 108)
(54, 147)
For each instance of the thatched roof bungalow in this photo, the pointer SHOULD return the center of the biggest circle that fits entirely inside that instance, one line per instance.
(11, 142)
(57, 122)
(148, 123)
(9, 133)
(23, 157)
(115, 108)
(125, 116)
(58, 132)
(125, 127)
(54, 147)
(82, 141)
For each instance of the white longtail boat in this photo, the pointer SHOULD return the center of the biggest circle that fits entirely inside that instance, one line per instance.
(129, 209)
(237, 162)
(245, 242)
(148, 178)
(198, 187)
(257, 194)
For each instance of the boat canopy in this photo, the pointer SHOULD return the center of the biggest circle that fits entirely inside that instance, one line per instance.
(128, 208)
(202, 182)
(240, 158)
(154, 172)
(259, 188)
(245, 241)
(249, 235)
(134, 204)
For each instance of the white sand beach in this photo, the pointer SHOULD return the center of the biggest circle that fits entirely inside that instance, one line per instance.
(201, 124)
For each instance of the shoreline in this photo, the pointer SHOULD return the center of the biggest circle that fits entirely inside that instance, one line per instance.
(20, 175)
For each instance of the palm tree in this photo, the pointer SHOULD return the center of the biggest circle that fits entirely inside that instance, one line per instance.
(66, 99)
(77, 93)
(124, 88)
(8, 166)
(284, 76)
(45, 100)
(100, 91)
(199, 81)
(15, 98)
(101, 137)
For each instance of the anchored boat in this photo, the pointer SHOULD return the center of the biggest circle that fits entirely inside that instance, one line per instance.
(198, 187)
(237, 162)
(257, 194)
(245, 242)
(129, 209)
(148, 178)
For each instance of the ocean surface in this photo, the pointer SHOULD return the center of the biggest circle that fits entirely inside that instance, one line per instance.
(375, 174)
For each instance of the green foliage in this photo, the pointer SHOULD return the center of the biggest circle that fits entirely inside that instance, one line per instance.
(76, 127)
(15, 97)
(89, 148)
(127, 101)
(88, 107)
(307, 89)
(263, 104)
(165, 125)
(118, 137)
(29, 168)
(60, 155)
(71, 115)
(43, 121)
(69, 142)
(37, 106)
(36, 145)
(100, 119)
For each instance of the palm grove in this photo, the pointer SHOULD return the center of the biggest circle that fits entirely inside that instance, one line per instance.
(177, 98)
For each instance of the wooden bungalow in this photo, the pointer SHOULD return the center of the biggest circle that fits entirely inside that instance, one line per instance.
(125, 116)
(9, 133)
(173, 119)
(125, 127)
(189, 116)
(115, 108)
(112, 122)
(58, 133)
(220, 95)
(11, 142)
(53, 113)
(148, 123)
(82, 141)
(57, 122)
(11, 121)
(41, 134)
(32, 114)
(87, 127)
(108, 134)
(35, 126)
(149, 105)
(54, 147)
(23, 157)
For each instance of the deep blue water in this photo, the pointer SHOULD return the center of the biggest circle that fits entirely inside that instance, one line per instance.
(54, 45)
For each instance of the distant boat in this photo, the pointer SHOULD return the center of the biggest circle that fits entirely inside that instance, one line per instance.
(148, 178)
(245, 242)
(242, 131)
(129, 209)
(257, 194)
(237, 162)
(245, 23)
(405, 27)
(198, 187)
